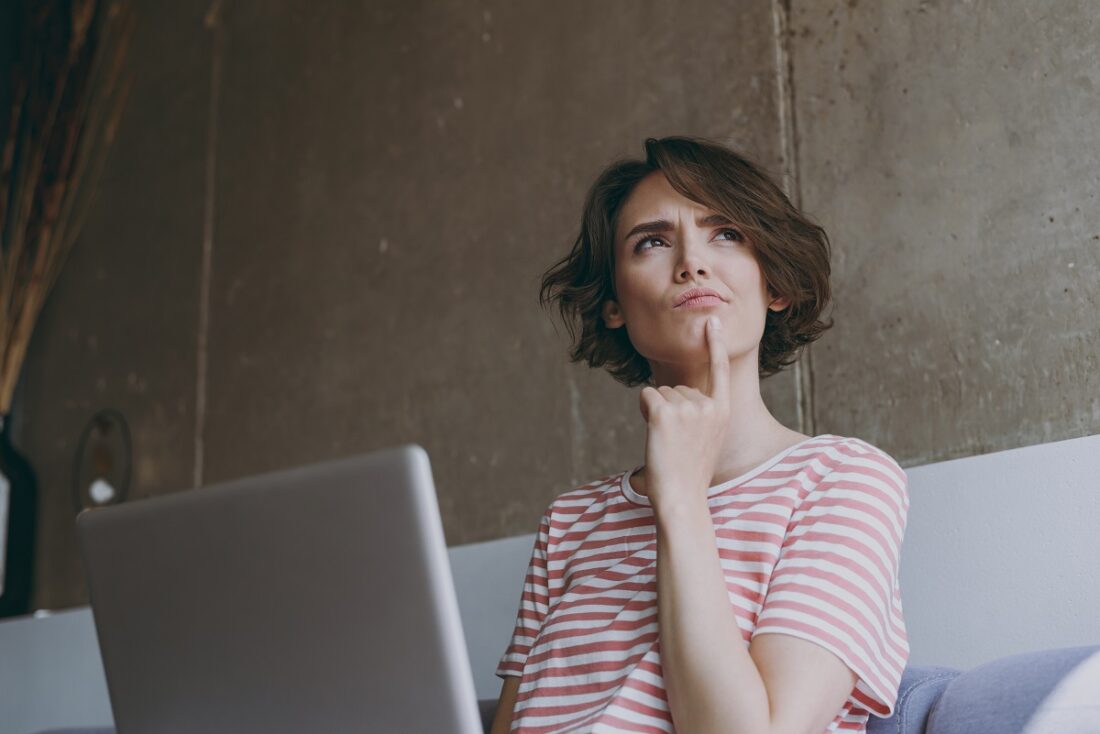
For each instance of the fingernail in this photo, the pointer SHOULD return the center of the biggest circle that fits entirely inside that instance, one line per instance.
(715, 322)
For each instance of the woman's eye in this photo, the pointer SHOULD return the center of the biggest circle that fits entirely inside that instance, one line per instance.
(736, 237)
(642, 242)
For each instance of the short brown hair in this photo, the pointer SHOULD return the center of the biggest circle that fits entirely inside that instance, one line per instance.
(793, 253)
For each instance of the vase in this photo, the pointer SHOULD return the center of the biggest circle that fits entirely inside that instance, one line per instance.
(18, 520)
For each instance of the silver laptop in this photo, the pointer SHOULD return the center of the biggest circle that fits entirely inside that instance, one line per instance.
(316, 599)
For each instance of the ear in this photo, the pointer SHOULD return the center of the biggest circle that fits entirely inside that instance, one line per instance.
(777, 303)
(612, 315)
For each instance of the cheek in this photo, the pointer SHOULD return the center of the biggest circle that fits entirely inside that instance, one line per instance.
(646, 326)
(636, 297)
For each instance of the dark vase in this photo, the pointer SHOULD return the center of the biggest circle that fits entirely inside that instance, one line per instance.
(18, 515)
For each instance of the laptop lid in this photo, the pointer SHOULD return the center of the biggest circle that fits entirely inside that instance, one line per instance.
(314, 599)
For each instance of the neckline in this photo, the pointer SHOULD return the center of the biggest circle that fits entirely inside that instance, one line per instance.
(641, 499)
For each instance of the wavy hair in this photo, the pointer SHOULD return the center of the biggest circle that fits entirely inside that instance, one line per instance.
(792, 251)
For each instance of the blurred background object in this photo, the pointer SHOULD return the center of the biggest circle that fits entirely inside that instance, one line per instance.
(66, 87)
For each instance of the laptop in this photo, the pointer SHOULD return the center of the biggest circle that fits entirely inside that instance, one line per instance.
(314, 599)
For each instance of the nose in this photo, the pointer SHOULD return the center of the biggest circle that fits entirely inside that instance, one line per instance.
(691, 263)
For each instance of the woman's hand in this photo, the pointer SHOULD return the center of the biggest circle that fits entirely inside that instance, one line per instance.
(686, 429)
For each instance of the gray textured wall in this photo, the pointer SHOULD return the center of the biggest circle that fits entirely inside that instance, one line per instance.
(321, 232)
(953, 150)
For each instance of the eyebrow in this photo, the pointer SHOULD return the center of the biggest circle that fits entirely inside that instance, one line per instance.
(660, 226)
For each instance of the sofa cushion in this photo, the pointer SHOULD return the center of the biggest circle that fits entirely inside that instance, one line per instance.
(1002, 695)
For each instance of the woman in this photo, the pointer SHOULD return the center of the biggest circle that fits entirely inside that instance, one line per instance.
(745, 577)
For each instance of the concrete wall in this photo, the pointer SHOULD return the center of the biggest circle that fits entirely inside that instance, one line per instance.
(953, 152)
(322, 229)
(321, 232)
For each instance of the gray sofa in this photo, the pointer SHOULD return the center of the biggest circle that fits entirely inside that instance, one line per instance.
(999, 697)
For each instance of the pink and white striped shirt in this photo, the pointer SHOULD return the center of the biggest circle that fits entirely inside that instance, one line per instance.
(810, 542)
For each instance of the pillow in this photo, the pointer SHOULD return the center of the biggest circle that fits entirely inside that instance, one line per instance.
(921, 687)
(1002, 696)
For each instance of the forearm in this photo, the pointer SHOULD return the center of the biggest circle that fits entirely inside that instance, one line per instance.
(711, 681)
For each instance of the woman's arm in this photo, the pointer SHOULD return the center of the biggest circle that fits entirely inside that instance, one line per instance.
(714, 682)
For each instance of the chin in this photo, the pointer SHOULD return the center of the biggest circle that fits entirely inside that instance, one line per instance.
(675, 354)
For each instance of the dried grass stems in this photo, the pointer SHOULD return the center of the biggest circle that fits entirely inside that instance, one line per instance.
(70, 84)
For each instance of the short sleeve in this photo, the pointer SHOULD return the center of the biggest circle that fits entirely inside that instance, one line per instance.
(533, 605)
(836, 580)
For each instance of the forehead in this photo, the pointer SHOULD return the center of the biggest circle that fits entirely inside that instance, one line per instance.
(654, 198)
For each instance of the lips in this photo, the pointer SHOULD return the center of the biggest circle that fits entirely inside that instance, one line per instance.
(701, 302)
(698, 297)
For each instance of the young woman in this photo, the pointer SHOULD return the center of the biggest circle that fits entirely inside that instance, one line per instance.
(744, 579)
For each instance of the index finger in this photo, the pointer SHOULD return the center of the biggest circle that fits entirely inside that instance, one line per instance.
(719, 361)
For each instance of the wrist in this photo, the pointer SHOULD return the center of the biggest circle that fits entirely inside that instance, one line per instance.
(677, 508)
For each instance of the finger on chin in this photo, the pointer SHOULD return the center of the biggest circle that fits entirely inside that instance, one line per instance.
(719, 359)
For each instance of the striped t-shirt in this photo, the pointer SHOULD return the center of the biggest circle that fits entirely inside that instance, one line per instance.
(810, 543)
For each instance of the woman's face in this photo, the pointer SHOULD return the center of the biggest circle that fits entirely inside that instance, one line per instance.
(666, 244)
